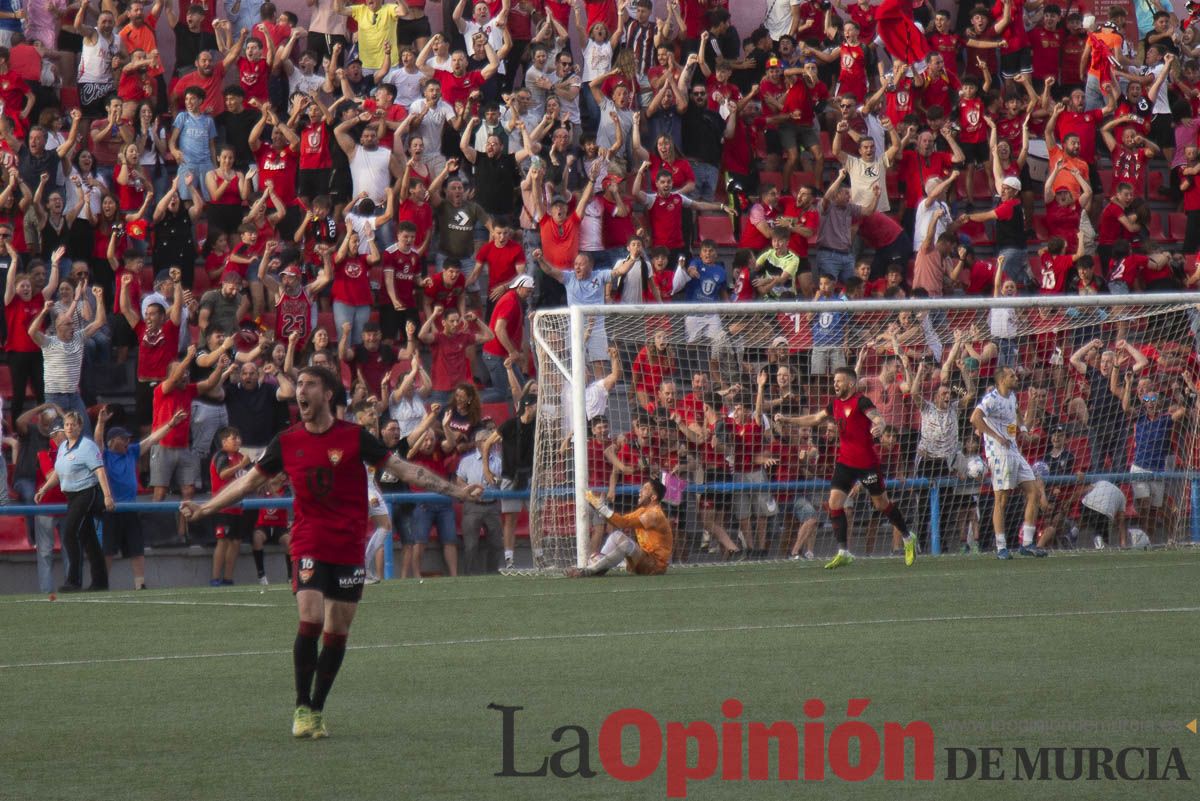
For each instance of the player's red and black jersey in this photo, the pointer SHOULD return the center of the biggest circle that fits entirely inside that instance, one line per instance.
(329, 487)
(856, 446)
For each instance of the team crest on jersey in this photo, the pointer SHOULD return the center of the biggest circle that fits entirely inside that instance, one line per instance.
(335, 456)
(902, 99)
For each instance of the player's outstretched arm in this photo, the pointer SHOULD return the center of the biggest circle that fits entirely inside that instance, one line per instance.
(426, 479)
(231, 494)
(805, 421)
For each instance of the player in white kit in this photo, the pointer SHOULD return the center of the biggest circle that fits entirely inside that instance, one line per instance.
(995, 418)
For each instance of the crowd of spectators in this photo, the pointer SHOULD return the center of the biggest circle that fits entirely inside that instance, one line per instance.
(204, 206)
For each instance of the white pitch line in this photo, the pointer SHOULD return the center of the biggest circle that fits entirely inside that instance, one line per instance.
(592, 635)
(153, 602)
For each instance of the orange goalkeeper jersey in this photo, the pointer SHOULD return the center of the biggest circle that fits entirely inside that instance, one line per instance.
(653, 533)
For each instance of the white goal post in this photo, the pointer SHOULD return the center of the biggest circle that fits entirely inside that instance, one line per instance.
(725, 347)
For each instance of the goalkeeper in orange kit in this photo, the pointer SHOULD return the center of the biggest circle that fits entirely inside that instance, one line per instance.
(648, 552)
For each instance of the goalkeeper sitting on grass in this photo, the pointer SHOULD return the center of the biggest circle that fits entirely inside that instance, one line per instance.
(648, 552)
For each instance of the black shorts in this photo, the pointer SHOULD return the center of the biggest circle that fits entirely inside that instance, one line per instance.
(123, 534)
(228, 525)
(143, 401)
(335, 582)
(1162, 130)
(976, 152)
(408, 31)
(340, 186)
(1012, 64)
(274, 533)
(845, 477)
(314, 182)
(1092, 523)
(392, 323)
(721, 500)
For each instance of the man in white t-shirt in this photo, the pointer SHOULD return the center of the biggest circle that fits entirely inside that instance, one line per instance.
(427, 118)
(867, 169)
(371, 166)
(406, 78)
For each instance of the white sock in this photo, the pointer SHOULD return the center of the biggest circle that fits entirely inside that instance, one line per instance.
(1001, 541)
(1027, 532)
(843, 551)
(508, 554)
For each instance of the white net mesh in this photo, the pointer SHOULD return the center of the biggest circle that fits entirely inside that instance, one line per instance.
(1108, 391)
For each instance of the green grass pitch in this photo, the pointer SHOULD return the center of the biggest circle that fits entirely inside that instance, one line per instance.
(187, 693)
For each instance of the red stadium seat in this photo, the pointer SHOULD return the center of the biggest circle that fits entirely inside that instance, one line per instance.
(1157, 232)
(12, 535)
(772, 178)
(1040, 233)
(1155, 181)
(1176, 226)
(68, 96)
(800, 179)
(827, 145)
(1106, 181)
(201, 283)
(717, 227)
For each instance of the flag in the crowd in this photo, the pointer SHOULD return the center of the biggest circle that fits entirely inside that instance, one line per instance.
(899, 33)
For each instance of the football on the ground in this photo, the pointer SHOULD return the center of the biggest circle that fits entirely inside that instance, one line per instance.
(975, 467)
(1138, 539)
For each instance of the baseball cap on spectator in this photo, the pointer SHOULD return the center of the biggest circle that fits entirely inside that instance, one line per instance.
(779, 342)
(1058, 430)
(521, 281)
(557, 199)
(1013, 182)
(371, 327)
(56, 427)
(162, 276)
(115, 432)
(772, 62)
(231, 277)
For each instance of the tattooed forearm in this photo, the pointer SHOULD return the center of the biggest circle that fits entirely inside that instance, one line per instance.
(420, 477)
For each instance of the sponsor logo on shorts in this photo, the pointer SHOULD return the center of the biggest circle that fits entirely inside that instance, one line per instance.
(357, 579)
(306, 570)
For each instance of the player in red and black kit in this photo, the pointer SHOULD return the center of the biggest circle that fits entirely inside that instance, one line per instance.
(325, 461)
(858, 423)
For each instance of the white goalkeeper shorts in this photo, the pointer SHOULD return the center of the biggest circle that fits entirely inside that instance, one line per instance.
(1009, 468)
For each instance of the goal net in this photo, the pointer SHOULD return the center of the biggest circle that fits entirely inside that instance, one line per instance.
(705, 399)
